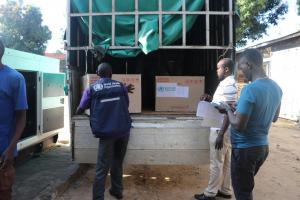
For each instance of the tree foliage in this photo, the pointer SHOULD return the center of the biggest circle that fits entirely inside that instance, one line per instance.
(21, 28)
(256, 16)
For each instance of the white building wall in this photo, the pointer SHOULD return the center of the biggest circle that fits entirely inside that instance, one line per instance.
(285, 70)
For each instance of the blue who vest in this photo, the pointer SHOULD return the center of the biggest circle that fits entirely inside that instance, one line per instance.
(109, 116)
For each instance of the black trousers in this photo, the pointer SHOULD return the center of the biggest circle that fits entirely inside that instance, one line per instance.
(245, 163)
(111, 154)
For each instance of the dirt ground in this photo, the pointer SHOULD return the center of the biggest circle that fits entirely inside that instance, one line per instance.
(278, 179)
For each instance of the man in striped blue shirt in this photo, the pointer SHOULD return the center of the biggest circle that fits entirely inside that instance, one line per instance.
(220, 146)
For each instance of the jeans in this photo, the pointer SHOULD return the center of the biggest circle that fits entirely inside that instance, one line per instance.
(111, 154)
(245, 163)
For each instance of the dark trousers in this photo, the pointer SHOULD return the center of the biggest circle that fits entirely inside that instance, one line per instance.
(245, 163)
(111, 154)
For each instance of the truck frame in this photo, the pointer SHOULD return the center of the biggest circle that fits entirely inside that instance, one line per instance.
(156, 138)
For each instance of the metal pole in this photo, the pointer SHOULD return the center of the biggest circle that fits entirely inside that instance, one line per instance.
(152, 13)
(68, 33)
(86, 63)
(69, 72)
(136, 25)
(160, 21)
(207, 22)
(231, 22)
(233, 56)
(113, 20)
(90, 22)
(183, 22)
(90, 34)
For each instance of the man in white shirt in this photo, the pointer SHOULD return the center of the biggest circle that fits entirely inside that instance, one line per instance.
(220, 145)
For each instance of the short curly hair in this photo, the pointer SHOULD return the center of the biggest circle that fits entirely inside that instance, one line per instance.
(227, 62)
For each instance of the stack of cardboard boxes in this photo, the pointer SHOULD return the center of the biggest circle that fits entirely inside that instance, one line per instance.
(173, 93)
(135, 98)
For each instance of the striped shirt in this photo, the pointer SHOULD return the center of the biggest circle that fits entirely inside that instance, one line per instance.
(226, 91)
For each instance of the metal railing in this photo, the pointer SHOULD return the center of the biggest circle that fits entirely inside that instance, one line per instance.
(136, 13)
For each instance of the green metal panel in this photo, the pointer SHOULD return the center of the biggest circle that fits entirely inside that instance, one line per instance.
(52, 101)
(30, 62)
(53, 84)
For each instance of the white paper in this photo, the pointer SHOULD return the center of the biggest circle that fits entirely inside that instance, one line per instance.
(210, 115)
(166, 89)
(182, 91)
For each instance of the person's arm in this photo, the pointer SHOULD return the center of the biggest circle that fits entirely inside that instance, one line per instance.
(8, 155)
(229, 96)
(239, 118)
(277, 113)
(222, 131)
(85, 102)
(238, 121)
(79, 111)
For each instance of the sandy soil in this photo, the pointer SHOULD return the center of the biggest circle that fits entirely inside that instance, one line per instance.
(278, 179)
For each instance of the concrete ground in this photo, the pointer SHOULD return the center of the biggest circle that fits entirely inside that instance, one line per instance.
(45, 175)
(278, 179)
(53, 175)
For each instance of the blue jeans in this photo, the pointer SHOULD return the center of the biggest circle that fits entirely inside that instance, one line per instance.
(111, 153)
(245, 163)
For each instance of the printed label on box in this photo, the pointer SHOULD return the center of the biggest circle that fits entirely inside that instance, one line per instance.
(182, 91)
(166, 89)
(171, 90)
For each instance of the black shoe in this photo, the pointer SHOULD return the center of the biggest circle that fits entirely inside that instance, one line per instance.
(203, 197)
(115, 194)
(225, 196)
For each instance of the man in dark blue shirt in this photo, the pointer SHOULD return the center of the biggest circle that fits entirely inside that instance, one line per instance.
(257, 108)
(13, 105)
(110, 122)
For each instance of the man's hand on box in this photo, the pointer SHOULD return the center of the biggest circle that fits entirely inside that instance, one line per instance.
(130, 88)
(206, 97)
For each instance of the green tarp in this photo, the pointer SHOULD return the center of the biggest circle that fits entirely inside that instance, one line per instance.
(148, 35)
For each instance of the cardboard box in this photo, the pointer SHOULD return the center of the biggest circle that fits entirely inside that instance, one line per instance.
(87, 80)
(178, 93)
(135, 98)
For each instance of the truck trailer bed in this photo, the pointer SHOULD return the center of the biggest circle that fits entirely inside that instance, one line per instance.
(165, 139)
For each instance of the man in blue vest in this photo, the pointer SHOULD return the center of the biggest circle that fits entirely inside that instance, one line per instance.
(257, 108)
(110, 122)
(13, 104)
